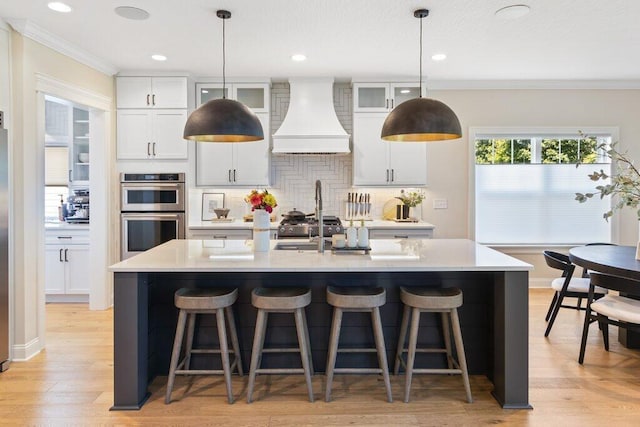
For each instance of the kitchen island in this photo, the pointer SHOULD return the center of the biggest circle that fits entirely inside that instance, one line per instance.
(494, 316)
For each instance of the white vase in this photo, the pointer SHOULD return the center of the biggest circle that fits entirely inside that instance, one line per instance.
(261, 230)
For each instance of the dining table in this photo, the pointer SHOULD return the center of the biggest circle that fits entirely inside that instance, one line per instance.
(615, 260)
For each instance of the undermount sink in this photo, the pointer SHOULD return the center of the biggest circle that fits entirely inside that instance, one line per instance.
(303, 245)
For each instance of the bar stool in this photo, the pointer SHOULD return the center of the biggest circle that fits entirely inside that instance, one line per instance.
(281, 300)
(192, 302)
(349, 299)
(431, 300)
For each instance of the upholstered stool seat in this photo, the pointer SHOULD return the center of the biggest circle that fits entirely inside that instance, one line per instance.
(356, 299)
(192, 302)
(280, 300)
(434, 300)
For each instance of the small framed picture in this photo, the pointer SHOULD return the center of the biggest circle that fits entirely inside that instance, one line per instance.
(211, 201)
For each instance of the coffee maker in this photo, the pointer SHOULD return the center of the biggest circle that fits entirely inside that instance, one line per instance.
(77, 207)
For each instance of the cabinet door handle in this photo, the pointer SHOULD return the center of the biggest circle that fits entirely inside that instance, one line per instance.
(220, 237)
(65, 255)
(229, 175)
(154, 149)
(392, 175)
(148, 149)
(147, 99)
(153, 99)
(386, 105)
(392, 104)
(65, 237)
(60, 255)
(70, 176)
(401, 236)
(234, 175)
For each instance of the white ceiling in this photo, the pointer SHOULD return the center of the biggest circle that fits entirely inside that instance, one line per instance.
(557, 40)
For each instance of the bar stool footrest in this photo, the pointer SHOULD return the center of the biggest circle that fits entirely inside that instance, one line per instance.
(199, 372)
(357, 370)
(280, 371)
(281, 350)
(357, 350)
(436, 371)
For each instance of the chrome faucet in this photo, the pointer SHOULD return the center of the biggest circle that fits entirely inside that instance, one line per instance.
(319, 216)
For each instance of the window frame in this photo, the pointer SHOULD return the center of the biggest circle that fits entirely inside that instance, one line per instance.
(525, 132)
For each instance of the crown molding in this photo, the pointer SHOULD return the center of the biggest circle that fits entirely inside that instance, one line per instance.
(530, 84)
(52, 41)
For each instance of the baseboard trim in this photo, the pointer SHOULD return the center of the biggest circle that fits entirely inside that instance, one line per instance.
(24, 352)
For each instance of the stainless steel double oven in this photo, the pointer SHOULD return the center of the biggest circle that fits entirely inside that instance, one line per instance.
(152, 210)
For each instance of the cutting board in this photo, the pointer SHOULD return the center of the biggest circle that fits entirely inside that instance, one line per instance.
(389, 209)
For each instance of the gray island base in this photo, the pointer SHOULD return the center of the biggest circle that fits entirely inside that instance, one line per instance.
(494, 316)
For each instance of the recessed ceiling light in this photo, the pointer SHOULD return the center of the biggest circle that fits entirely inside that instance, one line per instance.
(439, 57)
(513, 12)
(59, 7)
(205, 91)
(298, 57)
(158, 57)
(405, 91)
(130, 12)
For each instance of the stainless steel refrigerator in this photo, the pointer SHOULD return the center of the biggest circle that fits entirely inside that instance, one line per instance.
(4, 247)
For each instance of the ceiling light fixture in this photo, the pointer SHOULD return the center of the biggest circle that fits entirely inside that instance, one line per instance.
(421, 119)
(158, 57)
(59, 7)
(439, 57)
(223, 120)
(130, 12)
(298, 57)
(514, 11)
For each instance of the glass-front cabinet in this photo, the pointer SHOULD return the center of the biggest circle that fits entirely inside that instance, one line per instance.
(79, 152)
(253, 95)
(382, 97)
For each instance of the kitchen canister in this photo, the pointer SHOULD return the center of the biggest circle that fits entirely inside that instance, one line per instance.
(261, 229)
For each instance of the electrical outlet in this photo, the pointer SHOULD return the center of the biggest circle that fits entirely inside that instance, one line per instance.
(439, 203)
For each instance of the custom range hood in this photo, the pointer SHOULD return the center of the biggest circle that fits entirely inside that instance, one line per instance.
(311, 125)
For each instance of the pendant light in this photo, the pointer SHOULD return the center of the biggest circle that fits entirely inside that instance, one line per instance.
(223, 120)
(421, 119)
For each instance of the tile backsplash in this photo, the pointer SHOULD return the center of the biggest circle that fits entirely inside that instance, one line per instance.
(293, 177)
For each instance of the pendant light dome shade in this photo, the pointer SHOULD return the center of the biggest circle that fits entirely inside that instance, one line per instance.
(223, 120)
(421, 120)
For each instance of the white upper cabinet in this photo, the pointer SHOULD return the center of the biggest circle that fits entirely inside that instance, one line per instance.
(151, 134)
(151, 92)
(382, 97)
(242, 164)
(380, 163)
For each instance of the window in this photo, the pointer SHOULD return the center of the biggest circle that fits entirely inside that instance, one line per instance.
(525, 185)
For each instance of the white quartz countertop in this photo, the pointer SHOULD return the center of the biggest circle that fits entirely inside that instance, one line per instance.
(385, 255)
(375, 224)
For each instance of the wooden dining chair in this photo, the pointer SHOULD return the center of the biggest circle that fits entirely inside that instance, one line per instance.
(565, 286)
(615, 310)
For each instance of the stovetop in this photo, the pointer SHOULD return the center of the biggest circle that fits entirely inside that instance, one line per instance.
(308, 227)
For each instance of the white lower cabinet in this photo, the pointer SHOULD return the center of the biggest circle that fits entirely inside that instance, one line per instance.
(401, 233)
(226, 234)
(67, 259)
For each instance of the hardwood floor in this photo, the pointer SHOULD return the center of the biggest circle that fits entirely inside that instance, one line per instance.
(71, 383)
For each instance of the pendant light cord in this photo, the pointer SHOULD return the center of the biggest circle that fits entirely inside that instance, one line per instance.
(421, 57)
(224, 56)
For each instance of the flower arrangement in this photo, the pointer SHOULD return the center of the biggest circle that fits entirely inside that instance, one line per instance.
(411, 198)
(624, 183)
(261, 200)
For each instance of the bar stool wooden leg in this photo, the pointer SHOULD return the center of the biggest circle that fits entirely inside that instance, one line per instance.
(256, 352)
(234, 339)
(406, 314)
(462, 361)
(191, 325)
(446, 332)
(382, 352)
(175, 354)
(304, 348)
(411, 357)
(306, 332)
(224, 352)
(336, 323)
